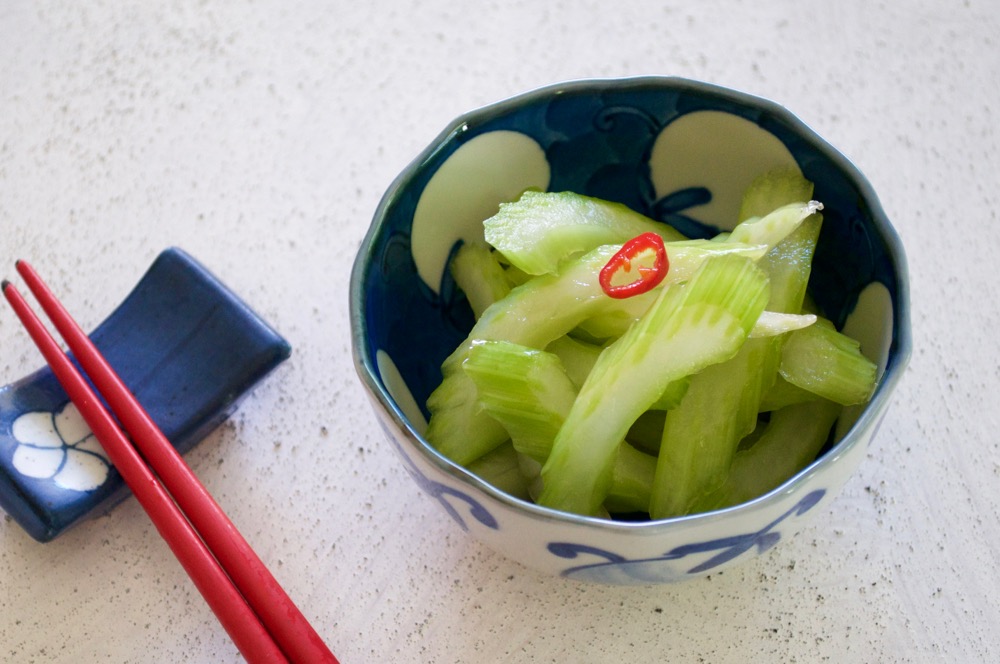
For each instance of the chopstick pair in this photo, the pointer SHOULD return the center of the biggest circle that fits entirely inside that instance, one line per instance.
(260, 618)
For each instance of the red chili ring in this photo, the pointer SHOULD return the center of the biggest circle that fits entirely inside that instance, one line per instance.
(621, 263)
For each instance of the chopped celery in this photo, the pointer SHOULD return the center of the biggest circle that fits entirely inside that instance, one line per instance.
(774, 227)
(789, 264)
(684, 258)
(828, 363)
(528, 392)
(631, 481)
(783, 393)
(772, 323)
(773, 189)
(479, 275)
(691, 326)
(790, 441)
(501, 469)
(578, 357)
(701, 435)
(710, 389)
(541, 229)
(533, 314)
(524, 389)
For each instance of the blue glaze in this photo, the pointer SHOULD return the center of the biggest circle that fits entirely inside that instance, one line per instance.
(187, 347)
(618, 570)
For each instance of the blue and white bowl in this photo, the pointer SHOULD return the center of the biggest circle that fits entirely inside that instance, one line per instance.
(678, 151)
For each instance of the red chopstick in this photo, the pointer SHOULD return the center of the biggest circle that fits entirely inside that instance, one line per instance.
(262, 620)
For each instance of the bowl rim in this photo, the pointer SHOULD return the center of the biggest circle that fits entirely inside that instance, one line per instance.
(898, 357)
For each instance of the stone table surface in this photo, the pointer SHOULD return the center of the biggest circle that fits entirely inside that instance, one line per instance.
(259, 136)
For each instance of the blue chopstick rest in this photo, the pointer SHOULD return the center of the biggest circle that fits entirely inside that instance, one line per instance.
(184, 344)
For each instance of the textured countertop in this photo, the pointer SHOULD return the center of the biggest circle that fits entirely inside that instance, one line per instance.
(259, 136)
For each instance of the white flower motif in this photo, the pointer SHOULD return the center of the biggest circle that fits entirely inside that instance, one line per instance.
(61, 447)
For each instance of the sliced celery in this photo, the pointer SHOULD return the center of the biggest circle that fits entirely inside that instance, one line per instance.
(528, 392)
(541, 229)
(684, 258)
(578, 357)
(773, 189)
(479, 275)
(691, 326)
(828, 363)
(774, 227)
(789, 264)
(524, 389)
(533, 314)
(783, 393)
(790, 442)
(501, 469)
(631, 481)
(701, 435)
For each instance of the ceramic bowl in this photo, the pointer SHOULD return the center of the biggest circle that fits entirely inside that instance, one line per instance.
(676, 150)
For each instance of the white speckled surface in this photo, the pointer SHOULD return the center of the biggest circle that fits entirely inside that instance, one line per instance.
(259, 136)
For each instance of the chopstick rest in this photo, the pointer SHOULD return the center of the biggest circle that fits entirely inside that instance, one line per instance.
(189, 349)
(251, 605)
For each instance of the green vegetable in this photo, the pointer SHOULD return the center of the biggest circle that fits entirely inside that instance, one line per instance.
(828, 363)
(535, 314)
(787, 444)
(540, 230)
(691, 326)
(479, 275)
(701, 434)
(502, 469)
(708, 390)
(528, 392)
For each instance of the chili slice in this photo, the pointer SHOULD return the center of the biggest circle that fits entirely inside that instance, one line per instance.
(647, 275)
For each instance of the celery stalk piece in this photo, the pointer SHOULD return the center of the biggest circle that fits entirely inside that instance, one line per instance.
(540, 230)
(702, 434)
(631, 481)
(533, 314)
(524, 389)
(789, 264)
(672, 394)
(783, 393)
(501, 468)
(578, 357)
(479, 275)
(773, 189)
(828, 363)
(528, 392)
(647, 431)
(690, 326)
(773, 323)
(790, 442)
(684, 258)
(774, 227)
